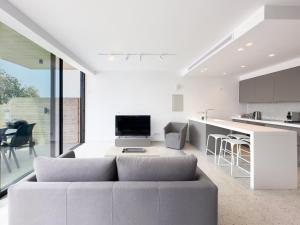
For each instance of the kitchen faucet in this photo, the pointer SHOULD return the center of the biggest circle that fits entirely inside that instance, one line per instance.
(206, 112)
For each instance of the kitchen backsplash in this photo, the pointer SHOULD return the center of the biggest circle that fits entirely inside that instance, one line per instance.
(274, 111)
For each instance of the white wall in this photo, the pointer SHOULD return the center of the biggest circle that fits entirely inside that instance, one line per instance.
(108, 94)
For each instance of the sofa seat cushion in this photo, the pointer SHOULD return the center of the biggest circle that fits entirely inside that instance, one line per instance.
(75, 170)
(181, 168)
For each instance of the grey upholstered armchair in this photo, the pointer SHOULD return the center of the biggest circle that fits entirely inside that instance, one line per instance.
(175, 135)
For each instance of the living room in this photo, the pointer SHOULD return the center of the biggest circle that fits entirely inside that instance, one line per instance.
(156, 112)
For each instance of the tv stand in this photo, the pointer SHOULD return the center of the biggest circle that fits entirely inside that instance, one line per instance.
(131, 141)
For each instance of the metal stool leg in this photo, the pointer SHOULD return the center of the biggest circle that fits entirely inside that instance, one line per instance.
(5, 161)
(34, 152)
(222, 150)
(207, 142)
(216, 144)
(238, 155)
(12, 150)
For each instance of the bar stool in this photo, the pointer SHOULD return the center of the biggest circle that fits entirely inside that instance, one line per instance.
(233, 143)
(241, 155)
(216, 137)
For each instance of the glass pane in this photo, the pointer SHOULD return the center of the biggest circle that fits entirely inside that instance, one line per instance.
(71, 107)
(25, 104)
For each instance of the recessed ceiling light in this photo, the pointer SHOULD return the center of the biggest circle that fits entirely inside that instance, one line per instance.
(111, 58)
(240, 49)
(224, 73)
(249, 44)
(243, 66)
(271, 55)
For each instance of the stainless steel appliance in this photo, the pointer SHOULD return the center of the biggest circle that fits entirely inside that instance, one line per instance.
(257, 115)
(293, 117)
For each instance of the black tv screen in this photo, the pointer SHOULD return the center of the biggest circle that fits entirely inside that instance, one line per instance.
(133, 125)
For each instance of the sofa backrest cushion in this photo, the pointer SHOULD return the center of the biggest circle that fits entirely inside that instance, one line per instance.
(181, 168)
(75, 170)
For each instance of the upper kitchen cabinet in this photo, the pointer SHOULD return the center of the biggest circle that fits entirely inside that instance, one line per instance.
(246, 91)
(281, 86)
(287, 85)
(264, 89)
(257, 90)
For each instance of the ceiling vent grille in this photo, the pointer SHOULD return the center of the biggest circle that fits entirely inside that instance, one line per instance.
(221, 44)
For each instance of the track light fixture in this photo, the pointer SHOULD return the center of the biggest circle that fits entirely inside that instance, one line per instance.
(141, 56)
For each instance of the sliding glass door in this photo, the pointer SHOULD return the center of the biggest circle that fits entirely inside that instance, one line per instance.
(71, 107)
(25, 105)
(41, 105)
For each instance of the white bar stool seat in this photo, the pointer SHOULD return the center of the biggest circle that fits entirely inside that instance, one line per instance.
(238, 136)
(216, 137)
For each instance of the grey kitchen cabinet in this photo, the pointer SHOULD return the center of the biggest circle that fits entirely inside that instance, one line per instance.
(287, 85)
(246, 91)
(281, 86)
(257, 90)
(264, 89)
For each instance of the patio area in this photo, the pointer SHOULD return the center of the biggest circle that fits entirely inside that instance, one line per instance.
(25, 161)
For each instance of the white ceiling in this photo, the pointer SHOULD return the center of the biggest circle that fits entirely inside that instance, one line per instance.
(186, 28)
(273, 42)
(18, 49)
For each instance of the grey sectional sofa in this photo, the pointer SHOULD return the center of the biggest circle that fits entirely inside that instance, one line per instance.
(119, 202)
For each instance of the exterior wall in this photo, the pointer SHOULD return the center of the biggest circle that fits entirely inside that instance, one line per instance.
(33, 111)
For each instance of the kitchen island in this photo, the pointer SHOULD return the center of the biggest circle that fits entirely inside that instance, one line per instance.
(273, 152)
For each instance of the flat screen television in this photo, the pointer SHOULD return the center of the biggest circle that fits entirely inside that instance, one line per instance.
(139, 125)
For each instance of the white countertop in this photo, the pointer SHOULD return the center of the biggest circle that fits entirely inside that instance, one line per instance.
(236, 126)
(273, 122)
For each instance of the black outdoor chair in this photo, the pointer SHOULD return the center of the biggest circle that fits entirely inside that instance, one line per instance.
(21, 138)
(2, 134)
